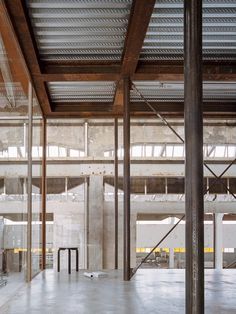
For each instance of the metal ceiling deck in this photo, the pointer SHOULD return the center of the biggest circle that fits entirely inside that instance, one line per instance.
(164, 37)
(78, 30)
(62, 92)
(174, 91)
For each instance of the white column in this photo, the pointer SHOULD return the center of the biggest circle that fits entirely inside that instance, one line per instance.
(171, 258)
(171, 250)
(218, 241)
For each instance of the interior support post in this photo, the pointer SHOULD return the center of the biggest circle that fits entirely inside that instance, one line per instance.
(126, 178)
(116, 188)
(44, 192)
(29, 198)
(194, 157)
(218, 231)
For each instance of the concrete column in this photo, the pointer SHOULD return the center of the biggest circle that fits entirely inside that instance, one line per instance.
(66, 187)
(24, 187)
(171, 258)
(95, 222)
(218, 241)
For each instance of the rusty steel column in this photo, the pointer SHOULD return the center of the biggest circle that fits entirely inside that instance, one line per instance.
(29, 184)
(126, 178)
(116, 188)
(44, 193)
(194, 157)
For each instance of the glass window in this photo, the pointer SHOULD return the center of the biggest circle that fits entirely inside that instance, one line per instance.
(136, 151)
(148, 151)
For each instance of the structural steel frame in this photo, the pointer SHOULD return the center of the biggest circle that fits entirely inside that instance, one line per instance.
(130, 68)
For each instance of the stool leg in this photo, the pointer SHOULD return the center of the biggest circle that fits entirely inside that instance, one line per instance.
(58, 260)
(77, 260)
(69, 261)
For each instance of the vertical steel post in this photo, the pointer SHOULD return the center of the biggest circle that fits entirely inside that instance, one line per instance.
(116, 188)
(29, 198)
(86, 139)
(86, 223)
(194, 157)
(126, 178)
(44, 193)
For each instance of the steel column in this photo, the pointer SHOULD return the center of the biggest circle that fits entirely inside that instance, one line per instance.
(194, 157)
(44, 193)
(86, 139)
(116, 188)
(29, 198)
(126, 178)
(86, 223)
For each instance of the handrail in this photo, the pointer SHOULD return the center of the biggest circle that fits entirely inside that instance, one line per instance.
(134, 270)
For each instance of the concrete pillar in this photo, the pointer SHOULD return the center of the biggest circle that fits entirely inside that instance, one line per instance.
(95, 222)
(171, 258)
(171, 250)
(218, 241)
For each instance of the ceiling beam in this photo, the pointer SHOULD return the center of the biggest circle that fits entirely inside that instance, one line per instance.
(110, 115)
(79, 67)
(175, 72)
(171, 106)
(14, 60)
(23, 30)
(140, 16)
(144, 72)
(167, 107)
(82, 106)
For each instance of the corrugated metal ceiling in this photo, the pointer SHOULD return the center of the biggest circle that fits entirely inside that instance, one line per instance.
(174, 91)
(164, 38)
(90, 30)
(78, 30)
(81, 91)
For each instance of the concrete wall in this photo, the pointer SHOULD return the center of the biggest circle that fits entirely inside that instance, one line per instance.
(71, 134)
(101, 134)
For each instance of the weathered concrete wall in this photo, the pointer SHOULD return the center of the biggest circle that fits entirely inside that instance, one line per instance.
(101, 137)
(109, 237)
(68, 231)
(66, 135)
(149, 168)
(148, 235)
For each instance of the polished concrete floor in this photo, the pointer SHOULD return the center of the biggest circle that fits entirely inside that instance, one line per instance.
(150, 291)
(14, 282)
